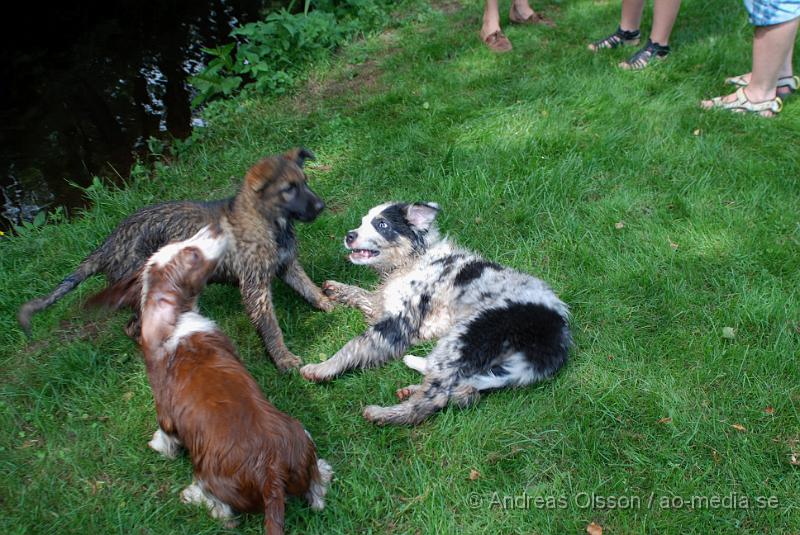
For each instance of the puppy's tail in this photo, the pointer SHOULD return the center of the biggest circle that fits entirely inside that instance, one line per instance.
(86, 269)
(321, 475)
(274, 505)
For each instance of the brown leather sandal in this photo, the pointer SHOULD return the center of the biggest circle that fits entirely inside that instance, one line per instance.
(534, 18)
(498, 42)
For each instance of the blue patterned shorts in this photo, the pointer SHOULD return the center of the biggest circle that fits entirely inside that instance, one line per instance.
(769, 12)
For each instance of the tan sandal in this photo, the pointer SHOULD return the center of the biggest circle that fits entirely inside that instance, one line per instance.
(742, 104)
(498, 42)
(786, 84)
(534, 18)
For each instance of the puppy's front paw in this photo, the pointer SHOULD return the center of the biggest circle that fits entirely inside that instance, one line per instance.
(287, 361)
(314, 373)
(334, 290)
(325, 304)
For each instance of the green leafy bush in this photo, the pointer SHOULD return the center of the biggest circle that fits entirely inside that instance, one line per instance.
(268, 55)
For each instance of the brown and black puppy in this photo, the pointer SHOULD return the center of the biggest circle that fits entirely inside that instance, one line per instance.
(257, 223)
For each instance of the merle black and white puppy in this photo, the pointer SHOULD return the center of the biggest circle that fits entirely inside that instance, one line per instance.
(496, 327)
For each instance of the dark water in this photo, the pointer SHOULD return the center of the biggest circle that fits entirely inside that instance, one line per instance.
(84, 85)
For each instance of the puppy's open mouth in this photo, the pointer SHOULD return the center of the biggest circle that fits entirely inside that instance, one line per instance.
(362, 254)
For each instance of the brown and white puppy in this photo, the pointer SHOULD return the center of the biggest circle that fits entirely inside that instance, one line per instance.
(247, 455)
(261, 244)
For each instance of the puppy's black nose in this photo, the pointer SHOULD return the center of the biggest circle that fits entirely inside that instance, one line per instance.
(319, 205)
(350, 237)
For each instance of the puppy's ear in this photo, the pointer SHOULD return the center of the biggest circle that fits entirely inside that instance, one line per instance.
(161, 319)
(421, 214)
(258, 175)
(299, 155)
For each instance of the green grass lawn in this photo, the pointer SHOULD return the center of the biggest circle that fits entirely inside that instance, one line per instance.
(659, 224)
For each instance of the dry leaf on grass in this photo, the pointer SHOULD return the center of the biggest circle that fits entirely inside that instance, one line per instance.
(96, 486)
(794, 460)
(673, 244)
(619, 224)
(728, 333)
(474, 474)
(739, 427)
(769, 410)
(665, 420)
(697, 132)
(127, 396)
(594, 529)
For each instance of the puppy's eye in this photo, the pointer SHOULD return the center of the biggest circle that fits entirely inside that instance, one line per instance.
(383, 225)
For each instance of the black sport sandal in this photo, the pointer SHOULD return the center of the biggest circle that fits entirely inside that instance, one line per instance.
(618, 38)
(646, 55)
